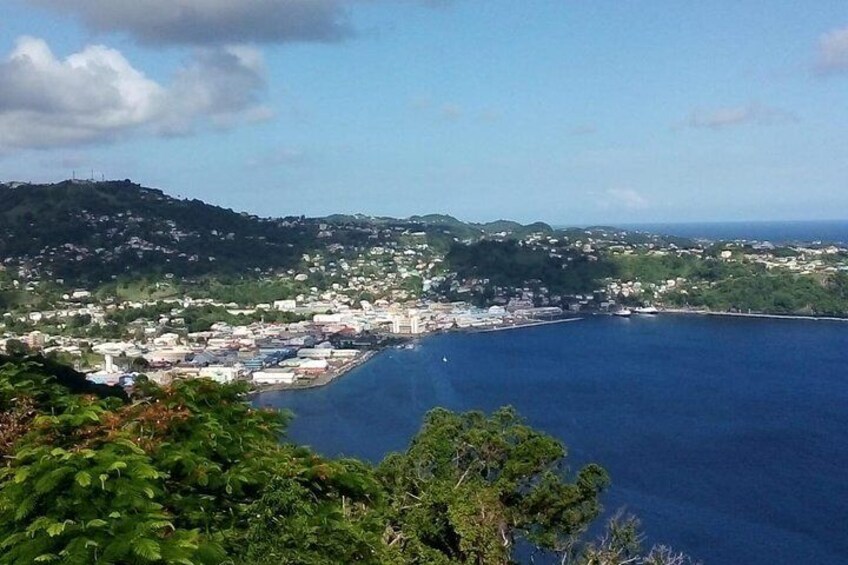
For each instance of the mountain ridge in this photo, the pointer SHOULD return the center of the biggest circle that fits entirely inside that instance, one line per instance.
(93, 231)
(501, 224)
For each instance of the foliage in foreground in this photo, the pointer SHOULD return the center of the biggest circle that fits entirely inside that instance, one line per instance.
(192, 474)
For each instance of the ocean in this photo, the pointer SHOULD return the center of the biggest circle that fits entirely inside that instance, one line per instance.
(827, 231)
(728, 438)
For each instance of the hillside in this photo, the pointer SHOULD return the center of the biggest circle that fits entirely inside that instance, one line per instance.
(90, 232)
(83, 232)
(124, 241)
(471, 230)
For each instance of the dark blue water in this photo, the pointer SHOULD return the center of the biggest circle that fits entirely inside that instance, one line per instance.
(727, 437)
(830, 231)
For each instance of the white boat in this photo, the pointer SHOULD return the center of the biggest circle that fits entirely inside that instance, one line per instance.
(444, 359)
(624, 313)
(646, 310)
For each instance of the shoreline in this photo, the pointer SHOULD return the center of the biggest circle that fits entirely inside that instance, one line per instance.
(762, 315)
(332, 376)
(321, 381)
(523, 325)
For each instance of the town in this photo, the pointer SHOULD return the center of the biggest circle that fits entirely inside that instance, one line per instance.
(362, 284)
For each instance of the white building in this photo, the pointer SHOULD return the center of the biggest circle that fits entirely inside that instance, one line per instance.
(167, 355)
(406, 325)
(219, 374)
(315, 353)
(327, 318)
(285, 304)
(273, 376)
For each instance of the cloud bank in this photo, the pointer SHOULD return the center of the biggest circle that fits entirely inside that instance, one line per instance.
(206, 22)
(96, 95)
(210, 22)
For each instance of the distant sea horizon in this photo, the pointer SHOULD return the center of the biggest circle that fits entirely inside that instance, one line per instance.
(785, 231)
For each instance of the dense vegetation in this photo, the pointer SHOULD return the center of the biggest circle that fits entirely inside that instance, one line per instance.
(91, 232)
(739, 286)
(130, 322)
(193, 318)
(510, 264)
(132, 243)
(779, 293)
(192, 474)
(473, 231)
(658, 269)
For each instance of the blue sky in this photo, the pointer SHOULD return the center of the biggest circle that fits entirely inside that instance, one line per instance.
(567, 112)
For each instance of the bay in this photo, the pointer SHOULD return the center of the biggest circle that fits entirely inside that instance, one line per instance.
(727, 437)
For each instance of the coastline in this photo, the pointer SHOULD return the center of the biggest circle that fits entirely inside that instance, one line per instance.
(323, 380)
(531, 324)
(753, 315)
(331, 376)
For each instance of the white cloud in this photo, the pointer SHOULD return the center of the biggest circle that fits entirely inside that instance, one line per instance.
(719, 118)
(96, 95)
(208, 22)
(222, 85)
(624, 198)
(832, 54)
(92, 94)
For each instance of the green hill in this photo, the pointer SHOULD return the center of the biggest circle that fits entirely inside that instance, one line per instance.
(91, 232)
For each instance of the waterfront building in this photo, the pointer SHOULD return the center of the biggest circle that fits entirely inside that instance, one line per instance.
(273, 376)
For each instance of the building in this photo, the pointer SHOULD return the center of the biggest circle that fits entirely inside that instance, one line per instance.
(312, 366)
(407, 325)
(254, 363)
(315, 353)
(219, 373)
(169, 355)
(327, 318)
(286, 305)
(35, 340)
(274, 376)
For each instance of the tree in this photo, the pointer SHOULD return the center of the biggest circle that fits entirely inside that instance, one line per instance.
(16, 348)
(192, 474)
(324, 513)
(622, 544)
(139, 364)
(470, 486)
(77, 489)
(175, 475)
